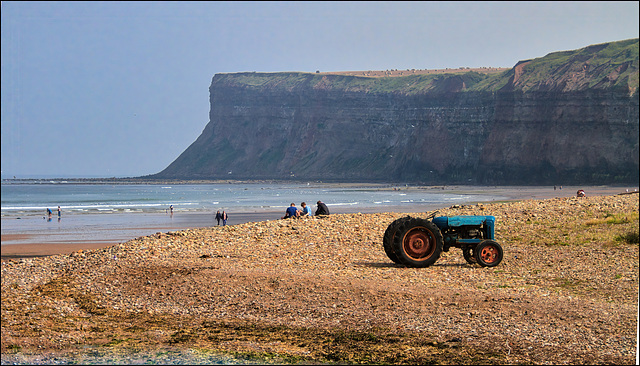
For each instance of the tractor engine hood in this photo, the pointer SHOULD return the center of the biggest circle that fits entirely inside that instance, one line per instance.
(445, 222)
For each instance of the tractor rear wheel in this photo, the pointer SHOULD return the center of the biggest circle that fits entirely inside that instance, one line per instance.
(389, 235)
(488, 253)
(418, 242)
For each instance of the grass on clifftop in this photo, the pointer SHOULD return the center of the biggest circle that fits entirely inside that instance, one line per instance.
(606, 65)
(408, 85)
(601, 66)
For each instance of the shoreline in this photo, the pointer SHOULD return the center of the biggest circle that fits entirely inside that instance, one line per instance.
(56, 240)
(22, 245)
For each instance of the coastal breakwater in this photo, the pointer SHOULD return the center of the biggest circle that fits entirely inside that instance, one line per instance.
(566, 118)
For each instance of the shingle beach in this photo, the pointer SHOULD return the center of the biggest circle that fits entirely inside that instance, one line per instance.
(321, 290)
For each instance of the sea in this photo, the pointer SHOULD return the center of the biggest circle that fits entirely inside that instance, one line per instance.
(120, 212)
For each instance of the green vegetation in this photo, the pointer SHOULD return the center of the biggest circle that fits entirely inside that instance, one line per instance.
(12, 348)
(630, 237)
(269, 158)
(601, 66)
(607, 65)
(593, 227)
(115, 342)
(614, 219)
(568, 283)
(411, 84)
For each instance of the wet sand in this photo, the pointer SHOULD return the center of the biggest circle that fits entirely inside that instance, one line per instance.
(68, 240)
(46, 249)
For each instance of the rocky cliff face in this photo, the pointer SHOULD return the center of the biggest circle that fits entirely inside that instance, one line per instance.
(567, 118)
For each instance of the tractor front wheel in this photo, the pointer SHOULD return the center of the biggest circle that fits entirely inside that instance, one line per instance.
(488, 253)
(417, 242)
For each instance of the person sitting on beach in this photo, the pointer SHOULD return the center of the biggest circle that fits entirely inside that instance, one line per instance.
(322, 209)
(305, 210)
(292, 211)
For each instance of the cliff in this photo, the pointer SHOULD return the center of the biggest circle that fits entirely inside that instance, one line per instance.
(566, 118)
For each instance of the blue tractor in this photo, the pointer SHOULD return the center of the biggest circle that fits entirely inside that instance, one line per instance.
(417, 242)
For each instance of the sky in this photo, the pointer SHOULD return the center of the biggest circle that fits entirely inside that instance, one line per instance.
(121, 89)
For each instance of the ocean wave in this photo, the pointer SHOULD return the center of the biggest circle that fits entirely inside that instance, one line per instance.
(343, 203)
(78, 208)
(32, 200)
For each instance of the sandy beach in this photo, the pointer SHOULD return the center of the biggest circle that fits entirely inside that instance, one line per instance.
(69, 240)
(322, 290)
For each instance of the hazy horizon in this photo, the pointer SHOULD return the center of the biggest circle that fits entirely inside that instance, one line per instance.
(121, 89)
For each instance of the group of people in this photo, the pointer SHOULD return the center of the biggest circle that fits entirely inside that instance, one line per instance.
(49, 213)
(222, 216)
(293, 212)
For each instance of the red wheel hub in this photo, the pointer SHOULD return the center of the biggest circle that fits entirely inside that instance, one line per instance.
(489, 254)
(419, 243)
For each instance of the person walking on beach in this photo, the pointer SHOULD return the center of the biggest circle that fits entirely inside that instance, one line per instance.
(218, 217)
(322, 209)
(224, 218)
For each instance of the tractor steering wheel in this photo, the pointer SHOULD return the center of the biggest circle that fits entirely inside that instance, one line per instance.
(432, 215)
